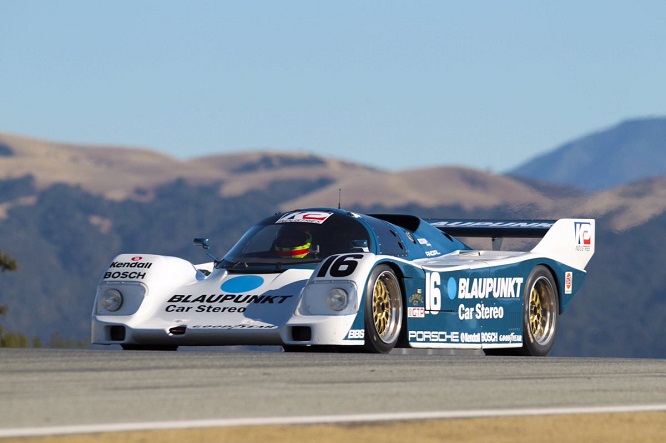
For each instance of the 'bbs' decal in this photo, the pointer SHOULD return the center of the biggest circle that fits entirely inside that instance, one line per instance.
(339, 266)
(356, 333)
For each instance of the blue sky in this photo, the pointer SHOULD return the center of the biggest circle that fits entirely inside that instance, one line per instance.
(393, 84)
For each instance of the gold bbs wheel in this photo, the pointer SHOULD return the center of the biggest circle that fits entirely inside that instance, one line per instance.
(541, 311)
(384, 310)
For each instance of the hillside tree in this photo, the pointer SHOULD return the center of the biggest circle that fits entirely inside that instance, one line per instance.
(9, 339)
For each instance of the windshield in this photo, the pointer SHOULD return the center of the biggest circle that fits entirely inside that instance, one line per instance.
(299, 237)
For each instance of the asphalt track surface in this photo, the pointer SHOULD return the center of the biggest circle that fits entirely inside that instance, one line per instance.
(52, 392)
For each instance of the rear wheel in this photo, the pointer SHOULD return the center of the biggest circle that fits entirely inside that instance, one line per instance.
(540, 314)
(383, 310)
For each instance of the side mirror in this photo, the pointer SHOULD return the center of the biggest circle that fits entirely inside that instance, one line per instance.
(201, 241)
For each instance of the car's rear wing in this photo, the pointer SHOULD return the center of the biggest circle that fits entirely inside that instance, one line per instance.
(567, 240)
(494, 228)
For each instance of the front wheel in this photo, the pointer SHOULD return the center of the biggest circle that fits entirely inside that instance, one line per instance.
(540, 313)
(383, 310)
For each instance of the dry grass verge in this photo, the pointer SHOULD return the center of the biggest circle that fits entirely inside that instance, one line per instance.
(590, 428)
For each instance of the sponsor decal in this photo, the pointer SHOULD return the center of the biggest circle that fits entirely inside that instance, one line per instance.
(317, 217)
(500, 287)
(511, 338)
(416, 299)
(245, 283)
(233, 327)
(470, 288)
(134, 264)
(205, 308)
(489, 337)
(432, 253)
(125, 274)
(464, 337)
(480, 312)
(492, 224)
(470, 338)
(583, 236)
(479, 337)
(207, 302)
(568, 282)
(233, 298)
(425, 242)
(356, 333)
(136, 258)
(415, 312)
(434, 336)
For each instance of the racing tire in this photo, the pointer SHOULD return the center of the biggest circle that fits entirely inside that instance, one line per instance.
(383, 310)
(540, 313)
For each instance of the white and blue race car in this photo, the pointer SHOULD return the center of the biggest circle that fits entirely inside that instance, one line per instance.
(323, 278)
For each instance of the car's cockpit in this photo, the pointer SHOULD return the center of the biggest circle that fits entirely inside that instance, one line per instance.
(299, 237)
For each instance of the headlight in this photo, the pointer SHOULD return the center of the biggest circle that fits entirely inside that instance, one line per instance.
(328, 297)
(337, 299)
(111, 299)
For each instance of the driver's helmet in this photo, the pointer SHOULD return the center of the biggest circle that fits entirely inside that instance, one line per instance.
(293, 242)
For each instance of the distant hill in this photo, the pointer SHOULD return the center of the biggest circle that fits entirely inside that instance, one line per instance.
(631, 151)
(66, 210)
(119, 174)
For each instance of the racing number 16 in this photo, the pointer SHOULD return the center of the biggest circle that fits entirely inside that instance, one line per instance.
(340, 266)
(433, 296)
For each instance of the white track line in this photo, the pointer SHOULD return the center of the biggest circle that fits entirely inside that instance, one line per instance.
(319, 419)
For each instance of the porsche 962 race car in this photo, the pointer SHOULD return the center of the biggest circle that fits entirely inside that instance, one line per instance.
(327, 278)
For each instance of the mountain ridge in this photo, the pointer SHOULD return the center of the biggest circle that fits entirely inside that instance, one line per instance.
(633, 150)
(120, 173)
